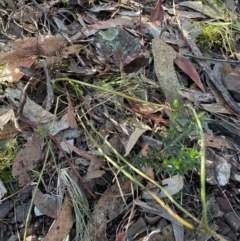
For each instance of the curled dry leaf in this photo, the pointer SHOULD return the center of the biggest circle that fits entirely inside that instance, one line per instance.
(27, 159)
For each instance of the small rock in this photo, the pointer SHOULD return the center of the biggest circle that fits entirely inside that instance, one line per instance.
(5, 207)
(232, 236)
(212, 207)
(136, 228)
(223, 228)
(10, 214)
(26, 193)
(21, 213)
(233, 220)
(223, 204)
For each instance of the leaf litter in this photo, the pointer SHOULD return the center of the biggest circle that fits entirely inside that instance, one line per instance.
(102, 46)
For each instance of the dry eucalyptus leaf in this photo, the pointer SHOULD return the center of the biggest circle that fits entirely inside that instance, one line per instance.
(135, 136)
(63, 223)
(70, 115)
(94, 170)
(109, 206)
(46, 204)
(172, 185)
(188, 68)
(31, 111)
(27, 159)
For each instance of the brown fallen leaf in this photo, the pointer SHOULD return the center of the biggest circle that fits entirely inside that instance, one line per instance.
(12, 74)
(27, 159)
(188, 68)
(109, 206)
(217, 142)
(10, 130)
(81, 153)
(139, 130)
(21, 49)
(63, 223)
(148, 112)
(157, 13)
(70, 115)
(94, 170)
(122, 21)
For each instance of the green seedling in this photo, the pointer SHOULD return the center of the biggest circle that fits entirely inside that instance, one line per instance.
(175, 157)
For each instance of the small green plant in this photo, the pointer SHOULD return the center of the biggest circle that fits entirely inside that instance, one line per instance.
(216, 34)
(41, 131)
(175, 157)
(65, 2)
(8, 151)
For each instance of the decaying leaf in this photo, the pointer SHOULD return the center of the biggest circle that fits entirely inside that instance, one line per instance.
(109, 206)
(63, 223)
(46, 204)
(94, 170)
(38, 114)
(217, 142)
(136, 228)
(82, 153)
(122, 21)
(148, 112)
(27, 159)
